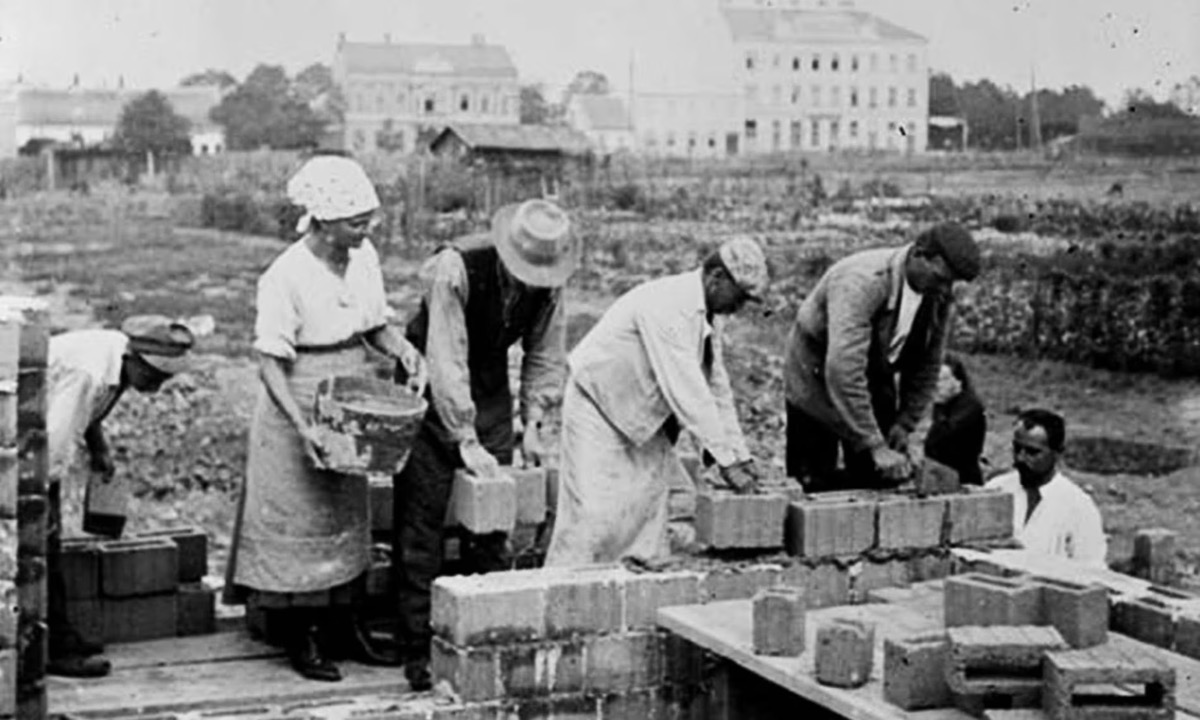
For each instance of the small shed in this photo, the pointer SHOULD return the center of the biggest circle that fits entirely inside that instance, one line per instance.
(516, 160)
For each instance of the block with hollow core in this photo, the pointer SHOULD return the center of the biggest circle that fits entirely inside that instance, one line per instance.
(483, 504)
(981, 599)
(914, 672)
(726, 520)
(827, 526)
(845, 653)
(1148, 619)
(998, 660)
(1079, 612)
(1079, 685)
(979, 515)
(1154, 555)
(778, 615)
(934, 478)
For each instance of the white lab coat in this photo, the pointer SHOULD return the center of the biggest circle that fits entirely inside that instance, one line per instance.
(83, 374)
(1066, 523)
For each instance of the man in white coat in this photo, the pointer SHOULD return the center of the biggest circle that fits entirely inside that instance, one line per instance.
(650, 367)
(1051, 515)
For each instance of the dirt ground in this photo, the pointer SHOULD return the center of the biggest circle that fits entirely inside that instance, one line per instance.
(184, 448)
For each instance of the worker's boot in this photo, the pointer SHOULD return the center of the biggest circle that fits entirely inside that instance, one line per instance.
(78, 666)
(416, 665)
(304, 650)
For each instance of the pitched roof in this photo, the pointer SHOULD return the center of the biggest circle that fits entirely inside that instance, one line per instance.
(538, 138)
(477, 59)
(603, 112)
(44, 106)
(778, 25)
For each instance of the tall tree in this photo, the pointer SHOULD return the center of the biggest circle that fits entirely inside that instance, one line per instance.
(217, 78)
(943, 95)
(315, 87)
(588, 82)
(265, 110)
(534, 109)
(148, 124)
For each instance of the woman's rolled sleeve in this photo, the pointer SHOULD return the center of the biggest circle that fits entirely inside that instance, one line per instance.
(277, 321)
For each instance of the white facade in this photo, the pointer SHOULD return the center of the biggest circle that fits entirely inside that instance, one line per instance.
(688, 124)
(604, 120)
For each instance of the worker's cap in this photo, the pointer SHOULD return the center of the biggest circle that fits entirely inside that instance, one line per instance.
(162, 342)
(747, 265)
(955, 245)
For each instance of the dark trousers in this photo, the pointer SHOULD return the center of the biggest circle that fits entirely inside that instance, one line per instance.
(812, 456)
(421, 496)
(56, 589)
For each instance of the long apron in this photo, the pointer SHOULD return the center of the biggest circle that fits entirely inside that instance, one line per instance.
(298, 529)
(612, 497)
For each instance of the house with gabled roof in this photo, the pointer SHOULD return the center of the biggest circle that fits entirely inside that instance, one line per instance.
(399, 95)
(603, 119)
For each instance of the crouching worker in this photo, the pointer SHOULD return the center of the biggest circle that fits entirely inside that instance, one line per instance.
(88, 372)
(651, 366)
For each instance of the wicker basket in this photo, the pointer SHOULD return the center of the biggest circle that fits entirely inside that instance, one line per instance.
(367, 425)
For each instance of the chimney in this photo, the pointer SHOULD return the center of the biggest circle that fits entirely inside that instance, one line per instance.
(478, 39)
(387, 38)
(75, 81)
(341, 39)
(121, 82)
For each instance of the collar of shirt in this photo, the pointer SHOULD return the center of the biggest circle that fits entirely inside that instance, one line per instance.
(899, 282)
(695, 285)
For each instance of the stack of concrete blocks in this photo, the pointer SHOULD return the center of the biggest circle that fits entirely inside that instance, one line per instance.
(1079, 613)
(13, 557)
(914, 672)
(23, 404)
(1154, 556)
(1072, 680)
(778, 615)
(578, 642)
(998, 666)
(845, 653)
(146, 587)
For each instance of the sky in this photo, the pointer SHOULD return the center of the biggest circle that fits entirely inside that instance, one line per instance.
(1109, 45)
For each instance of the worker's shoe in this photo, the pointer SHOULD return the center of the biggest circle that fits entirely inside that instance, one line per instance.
(69, 642)
(416, 671)
(78, 666)
(307, 659)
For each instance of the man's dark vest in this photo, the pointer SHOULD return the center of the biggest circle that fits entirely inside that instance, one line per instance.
(491, 327)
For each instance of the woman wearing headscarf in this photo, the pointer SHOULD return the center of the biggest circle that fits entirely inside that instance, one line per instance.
(959, 426)
(302, 536)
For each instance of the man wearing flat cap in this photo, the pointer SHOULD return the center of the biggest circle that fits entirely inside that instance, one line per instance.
(88, 372)
(650, 367)
(481, 295)
(863, 358)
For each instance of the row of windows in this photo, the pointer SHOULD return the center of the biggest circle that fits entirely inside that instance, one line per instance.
(815, 62)
(484, 104)
(816, 96)
(896, 131)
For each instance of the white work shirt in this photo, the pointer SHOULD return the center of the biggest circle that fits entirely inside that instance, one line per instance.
(83, 374)
(910, 302)
(1066, 523)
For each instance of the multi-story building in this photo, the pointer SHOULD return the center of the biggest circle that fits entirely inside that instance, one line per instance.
(89, 116)
(699, 125)
(820, 75)
(603, 119)
(399, 93)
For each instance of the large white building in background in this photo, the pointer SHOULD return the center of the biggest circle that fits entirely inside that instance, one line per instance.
(798, 75)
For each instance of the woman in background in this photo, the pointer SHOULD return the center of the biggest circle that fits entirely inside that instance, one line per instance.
(959, 426)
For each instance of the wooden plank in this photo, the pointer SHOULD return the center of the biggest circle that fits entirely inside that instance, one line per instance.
(1037, 564)
(218, 647)
(724, 628)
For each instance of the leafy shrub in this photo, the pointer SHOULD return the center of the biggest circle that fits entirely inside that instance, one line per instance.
(627, 196)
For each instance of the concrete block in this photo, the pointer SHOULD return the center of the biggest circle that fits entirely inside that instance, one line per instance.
(145, 617)
(473, 673)
(823, 527)
(9, 548)
(34, 315)
(531, 494)
(726, 520)
(867, 575)
(584, 600)
(738, 583)
(824, 585)
(930, 565)
(999, 660)
(692, 466)
(1079, 612)
(31, 587)
(8, 683)
(645, 593)
(979, 515)
(381, 496)
(552, 489)
(681, 505)
(9, 477)
(192, 544)
(530, 670)
(80, 560)
(1148, 619)
(32, 518)
(1187, 634)
(683, 661)
(10, 350)
(33, 462)
(1154, 555)
(620, 663)
(8, 416)
(195, 610)
(1075, 682)
(86, 616)
(502, 607)
(138, 567)
(9, 611)
(934, 478)
(1021, 714)
(906, 523)
(914, 672)
(31, 398)
(980, 599)
(483, 505)
(778, 621)
(845, 653)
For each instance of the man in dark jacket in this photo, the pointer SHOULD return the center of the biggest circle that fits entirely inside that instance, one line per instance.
(863, 358)
(481, 295)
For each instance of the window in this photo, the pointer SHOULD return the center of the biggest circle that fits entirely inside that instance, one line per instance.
(912, 97)
(835, 97)
(796, 63)
(464, 103)
(816, 134)
(834, 63)
(751, 93)
(795, 94)
(797, 133)
(429, 105)
(379, 103)
(776, 134)
(751, 129)
(891, 135)
(874, 62)
(834, 129)
(893, 63)
(712, 141)
(912, 62)
(853, 63)
(853, 97)
(816, 62)
(483, 105)
(891, 97)
(401, 99)
(873, 97)
(776, 95)
(670, 139)
(650, 139)
(750, 60)
(775, 61)
(815, 94)
(853, 128)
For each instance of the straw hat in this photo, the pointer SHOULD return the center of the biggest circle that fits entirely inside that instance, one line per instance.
(535, 242)
(160, 341)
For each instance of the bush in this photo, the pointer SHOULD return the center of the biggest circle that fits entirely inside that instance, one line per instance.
(626, 197)
(237, 212)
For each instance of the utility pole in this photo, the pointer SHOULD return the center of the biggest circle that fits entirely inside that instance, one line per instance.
(1035, 132)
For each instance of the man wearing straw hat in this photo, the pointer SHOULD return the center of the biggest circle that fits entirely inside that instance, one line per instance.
(482, 294)
(88, 372)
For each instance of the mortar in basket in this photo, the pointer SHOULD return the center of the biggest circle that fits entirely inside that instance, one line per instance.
(367, 425)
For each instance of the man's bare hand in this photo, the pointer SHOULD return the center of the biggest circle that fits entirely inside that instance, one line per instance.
(741, 477)
(478, 460)
(891, 465)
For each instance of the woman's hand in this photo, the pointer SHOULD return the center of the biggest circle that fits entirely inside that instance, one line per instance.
(314, 446)
(415, 368)
(478, 460)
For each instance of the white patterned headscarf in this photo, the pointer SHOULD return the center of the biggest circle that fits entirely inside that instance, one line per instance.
(331, 187)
